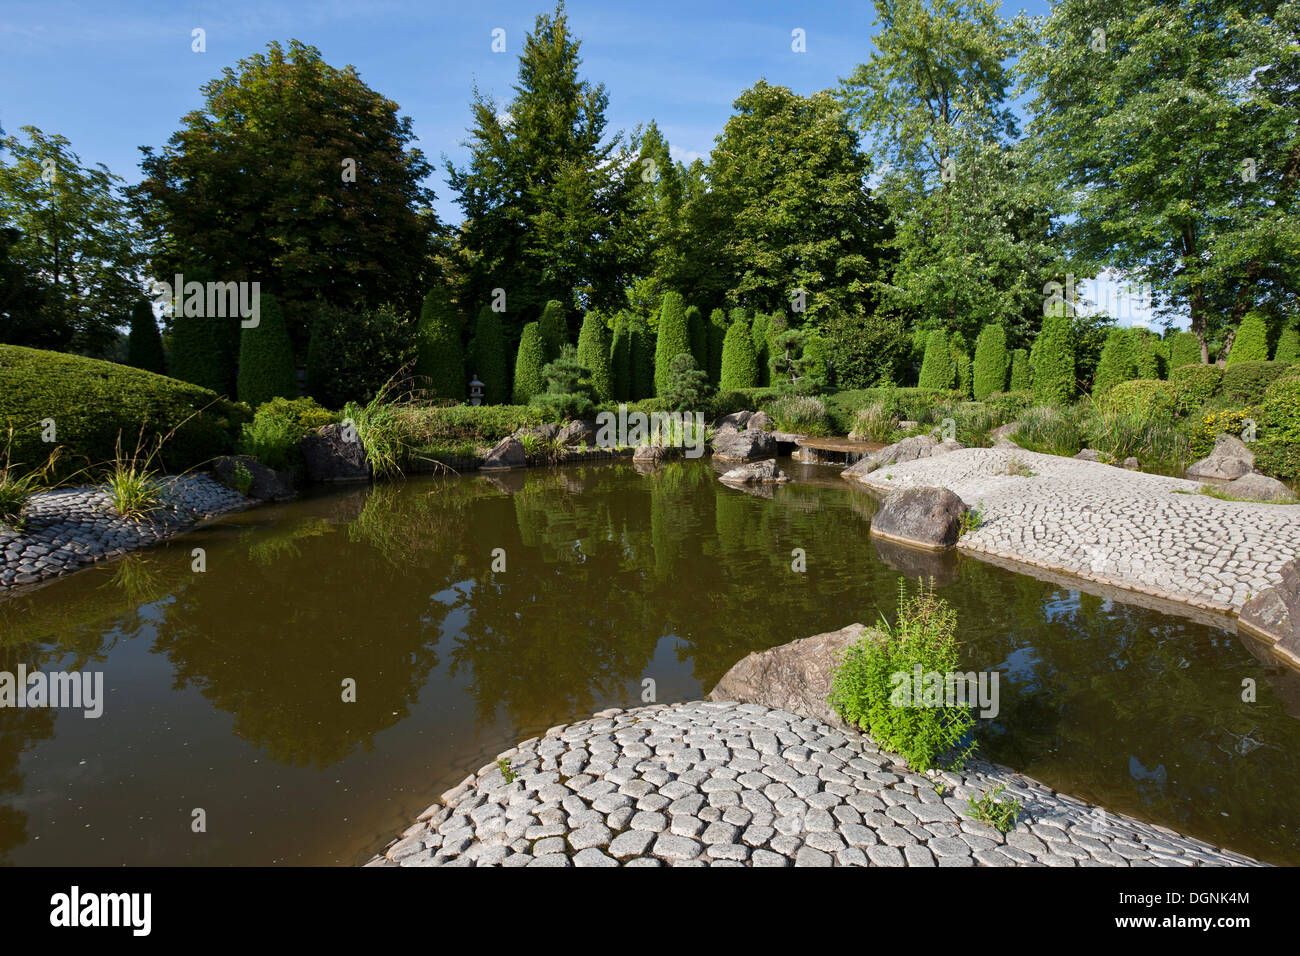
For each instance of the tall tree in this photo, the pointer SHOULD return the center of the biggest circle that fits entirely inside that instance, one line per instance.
(297, 174)
(440, 356)
(144, 348)
(266, 368)
(673, 338)
(76, 242)
(489, 362)
(593, 354)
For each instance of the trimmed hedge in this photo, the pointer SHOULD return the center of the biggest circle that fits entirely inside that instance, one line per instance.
(739, 363)
(1019, 379)
(593, 353)
(91, 402)
(991, 361)
(938, 370)
(641, 360)
(1278, 449)
(717, 335)
(1195, 384)
(1250, 344)
(1052, 362)
(1184, 349)
(1245, 382)
(266, 368)
(1117, 363)
(1288, 345)
(620, 358)
(673, 338)
(482, 424)
(144, 343)
(440, 358)
(961, 364)
(699, 331)
(489, 357)
(529, 361)
(1148, 398)
(554, 327)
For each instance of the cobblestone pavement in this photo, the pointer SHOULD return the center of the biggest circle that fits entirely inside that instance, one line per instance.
(69, 528)
(1110, 525)
(726, 784)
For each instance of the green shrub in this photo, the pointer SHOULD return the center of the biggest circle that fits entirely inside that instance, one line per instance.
(529, 362)
(1151, 399)
(1207, 427)
(554, 327)
(961, 364)
(440, 357)
(266, 367)
(1051, 431)
(1116, 364)
(144, 343)
(91, 402)
(865, 686)
(1277, 450)
(641, 360)
(203, 351)
(1195, 385)
(1020, 378)
(672, 339)
(802, 414)
(699, 333)
(816, 359)
(688, 386)
(872, 422)
(277, 427)
(352, 353)
(489, 360)
(1250, 344)
(1184, 349)
(463, 424)
(593, 353)
(937, 368)
(739, 363)
(991, 361)
(1008, 405)
(726, 403)
(717, 334)
(1288, 345)
(1150, 354)
(1052, 362)
(1246, 382)
(760, 332)
(568, 393)
(620, 358)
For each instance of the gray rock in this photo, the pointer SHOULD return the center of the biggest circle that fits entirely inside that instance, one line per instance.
(759, 421)
(1089, 454)
(546, 431)
(268, 484)
(1257, 487)
(925, 517)
(729, 445)
(655, 453)
(1229, 459)
(507, 453)
(578, 432)
(736, 420)
(761, 472)
(1004, 431)
(334, 453)
(1274, 613)
(794, 677)
(909, 449)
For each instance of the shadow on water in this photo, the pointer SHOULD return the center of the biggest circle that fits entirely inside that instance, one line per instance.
(471, 611)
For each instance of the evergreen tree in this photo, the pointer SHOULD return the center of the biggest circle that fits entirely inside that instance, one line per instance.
(555, 329)
(673, 338)
(440, 357)
(489, 362)
(937, 368)
(717, 335)
(961, 363)
(568, 394)
(761, 332)
(1052, 362)
(739, 363)
(144, 343)
(620, 358)
(641, 360)
(593, 353)
(1288, 345)
(529, 361)
(1184, 349)
(991, 361)
(1020, 376)
(266, 368)
(699, 332)
(1116, 364)
(1148, 358)
(688, 386)
(1250, 344)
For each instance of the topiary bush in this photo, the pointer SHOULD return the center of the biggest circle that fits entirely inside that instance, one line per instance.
(1184, 349)
(1052, 362)
(961, 364)
(1277, 449)
(554, 326)
(699, 332)
(641, 359)
(352, 354)
(440, 356)
(620, 358)
(717, 334)
(1288, 345)
(1250, 344)
(529, 361)
(91, 402)
(144, 343)
(1246, 382)
(1116, 364)
(266, 367)
(937, 368)
(1195, 385)
(593, 353)
(490, 362)
(1019, 379)
(760, 330)
(739, 363)
(1151, 399)
(991, 362)
(672, 339)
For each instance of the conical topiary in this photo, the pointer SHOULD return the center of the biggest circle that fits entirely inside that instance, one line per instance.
(739, 363)
(144, 342)
(991, 362)
(1250, 344)
(489, 361)
(440, 357)
(593, 354)
(266, 368)
(717, 335)
(673, 338)
(1052, 362)
(1116, 363)
(699, 332)
(937, 368)
(760, 330)
(554, 328)
(1288, 345)
(1019, 380)
(529, 362)
(620, 358)
(961, 364)
(641, 360)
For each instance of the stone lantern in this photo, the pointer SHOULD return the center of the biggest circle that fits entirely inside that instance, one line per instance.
(475, 391)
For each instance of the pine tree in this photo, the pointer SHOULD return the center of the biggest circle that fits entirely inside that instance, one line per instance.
(440, 357)
(699, 333)
(1250, 344)
(593, 354)
(620, 358)
(555, 329)
(529, 361)
(739, 363)
(1288, 345)
(937, 368)
(144, 343)
(266, 368)
(641, 360)
(673, 338)
(991, 361)
(489, 358)
(1020, 377)
(1052, 362)
(717, 335)
(1116, 363)
(568, 393)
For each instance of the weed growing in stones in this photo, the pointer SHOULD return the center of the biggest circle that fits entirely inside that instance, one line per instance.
(1000, 814)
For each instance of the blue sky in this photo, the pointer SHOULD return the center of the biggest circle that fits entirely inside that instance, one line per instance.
(115, 76)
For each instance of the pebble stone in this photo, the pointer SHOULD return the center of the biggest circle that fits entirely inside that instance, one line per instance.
(823, 823)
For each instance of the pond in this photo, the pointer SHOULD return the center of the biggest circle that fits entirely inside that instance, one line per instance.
(224, 690)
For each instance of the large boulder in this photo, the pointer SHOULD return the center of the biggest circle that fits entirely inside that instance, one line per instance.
(759, 421)
(1088, 454)
(1274, 613)
(507, 453)
(924, 517)
(730, 445)
(334, 453)
(1230, 459)
(546, 432)
(576, 433)
(654, 454)
(736, 420)
(938, 567)
(1004, 431)
(794, 677)
(268, 484)
(760, 472)
(909, 449)
(1257, 487)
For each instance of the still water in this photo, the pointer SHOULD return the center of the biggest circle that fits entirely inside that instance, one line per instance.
(224, 690)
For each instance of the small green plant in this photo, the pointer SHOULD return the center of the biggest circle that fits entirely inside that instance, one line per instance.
(1017, 467)
(970, 520)
(243, 479)
(503, 764)
(17, 486)
(999, 814)
(872, 422)
(799, 413)
(132, 484)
